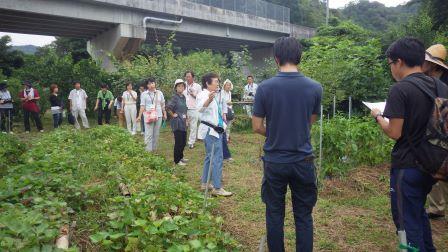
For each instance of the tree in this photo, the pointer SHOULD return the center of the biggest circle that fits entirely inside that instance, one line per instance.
(74, 46)
(438, 11)
(376, 16)
(9, 59)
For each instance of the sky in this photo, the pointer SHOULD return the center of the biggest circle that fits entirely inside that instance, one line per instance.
(24, 39)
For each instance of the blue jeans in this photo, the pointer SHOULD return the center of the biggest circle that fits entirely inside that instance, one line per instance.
(301, 178)
(57, 120)
(225, 147)
(214, 143)
(408, 191)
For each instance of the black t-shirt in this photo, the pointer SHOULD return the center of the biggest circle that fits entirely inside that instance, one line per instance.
(407, 102)
(55, 101)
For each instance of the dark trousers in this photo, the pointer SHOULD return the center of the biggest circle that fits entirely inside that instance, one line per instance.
(301, 178)
(408, 191)
(104, 113)
(180, 140)
(142, 123)
(35, 116)
(57, 120)
(225, 148)
(6, 119)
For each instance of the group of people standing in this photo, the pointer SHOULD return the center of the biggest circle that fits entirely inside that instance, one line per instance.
(199, 109)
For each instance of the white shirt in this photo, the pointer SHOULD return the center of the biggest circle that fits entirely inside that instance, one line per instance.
(117, 104)
(190, 90)
(149, 100)
(227, 97)
(127, 97)
(209, 114)
(250, 89)
(78, 99)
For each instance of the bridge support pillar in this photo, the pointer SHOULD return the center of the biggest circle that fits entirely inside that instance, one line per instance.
(119, 42)
(259, 56)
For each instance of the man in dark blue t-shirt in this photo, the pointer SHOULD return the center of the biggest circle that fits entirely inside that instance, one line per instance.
(290, 102)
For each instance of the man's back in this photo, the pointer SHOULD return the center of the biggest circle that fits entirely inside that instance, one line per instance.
(287, 101)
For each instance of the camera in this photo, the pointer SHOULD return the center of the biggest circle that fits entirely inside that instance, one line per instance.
(6, 101)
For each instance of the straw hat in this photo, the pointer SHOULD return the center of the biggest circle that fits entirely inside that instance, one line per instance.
(437, 55)
(228, 81)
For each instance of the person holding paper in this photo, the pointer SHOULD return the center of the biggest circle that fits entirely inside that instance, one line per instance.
(408, 110)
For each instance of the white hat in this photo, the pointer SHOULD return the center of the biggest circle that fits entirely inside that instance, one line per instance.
(178, 81)
(228, 81)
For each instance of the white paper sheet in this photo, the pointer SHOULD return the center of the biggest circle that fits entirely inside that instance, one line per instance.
(376, 105)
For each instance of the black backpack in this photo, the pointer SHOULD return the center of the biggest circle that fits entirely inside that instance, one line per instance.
(431, 152)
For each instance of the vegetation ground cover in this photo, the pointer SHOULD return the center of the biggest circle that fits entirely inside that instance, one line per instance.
(352, 213)
(69, 177)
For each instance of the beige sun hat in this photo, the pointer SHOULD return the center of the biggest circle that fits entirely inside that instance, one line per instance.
(228, 81)
(437, 55)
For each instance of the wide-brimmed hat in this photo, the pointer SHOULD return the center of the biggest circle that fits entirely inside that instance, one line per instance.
(177, 82)
(228, 81)
(437, 55)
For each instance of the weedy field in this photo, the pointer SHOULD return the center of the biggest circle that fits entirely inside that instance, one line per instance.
(69, 179)
(68, 183)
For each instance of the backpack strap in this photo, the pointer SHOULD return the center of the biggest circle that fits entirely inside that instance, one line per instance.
(423, 88)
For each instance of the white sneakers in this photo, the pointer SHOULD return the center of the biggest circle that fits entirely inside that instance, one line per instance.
(184, 160)
(181, 163)
(221, 192)
(216, 192)
(204, 186)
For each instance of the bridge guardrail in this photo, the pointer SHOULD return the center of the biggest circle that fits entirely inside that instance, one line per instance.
(252, 7)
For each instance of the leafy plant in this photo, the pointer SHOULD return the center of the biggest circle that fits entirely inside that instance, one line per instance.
(351, 143)
(66, 178)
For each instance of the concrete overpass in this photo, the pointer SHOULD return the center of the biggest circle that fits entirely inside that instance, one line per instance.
(118, 27)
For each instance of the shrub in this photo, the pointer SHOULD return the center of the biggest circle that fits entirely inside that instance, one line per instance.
(242, 123)
(351, 143)
(11, 150)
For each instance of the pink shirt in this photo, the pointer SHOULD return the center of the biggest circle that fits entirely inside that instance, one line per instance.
(191, 91)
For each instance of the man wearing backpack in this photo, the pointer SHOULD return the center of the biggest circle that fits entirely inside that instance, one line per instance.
(435, 66)
(408, 109)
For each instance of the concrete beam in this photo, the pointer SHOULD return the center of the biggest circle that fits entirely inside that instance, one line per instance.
(119, 42)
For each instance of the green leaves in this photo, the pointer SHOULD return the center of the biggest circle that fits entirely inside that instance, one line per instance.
(351, 143)
(64, 183)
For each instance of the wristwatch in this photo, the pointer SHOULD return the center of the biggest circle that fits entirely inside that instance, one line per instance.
(378, 115)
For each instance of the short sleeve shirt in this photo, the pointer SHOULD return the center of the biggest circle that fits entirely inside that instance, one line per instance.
(105, 97)
(406, 101)
(287, 101)
(6, 96)
(127, 97)
(78, 99)
(191, 92)
(153, 99)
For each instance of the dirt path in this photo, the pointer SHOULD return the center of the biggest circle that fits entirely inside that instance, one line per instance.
(352, 214)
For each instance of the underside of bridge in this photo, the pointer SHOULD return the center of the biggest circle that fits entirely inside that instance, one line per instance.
(40, 24)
